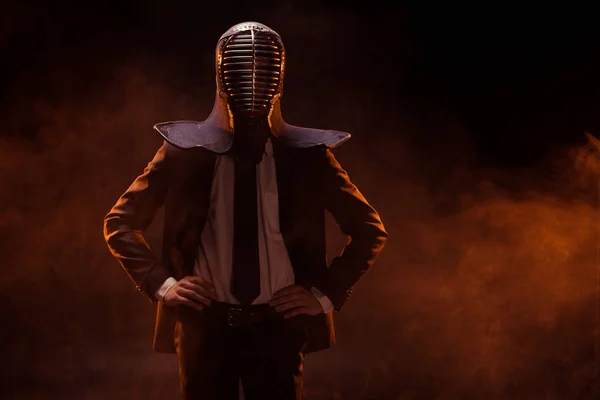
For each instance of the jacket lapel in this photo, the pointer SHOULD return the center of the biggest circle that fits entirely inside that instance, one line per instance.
(290, 187)
(191, 205)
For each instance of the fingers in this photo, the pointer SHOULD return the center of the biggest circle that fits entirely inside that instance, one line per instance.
(205, 289)
(191, 291)
(295, 300)
(194, 296)
(289, 290)
(200, 281)
(190, 303)
(286, 299)
(290, 305)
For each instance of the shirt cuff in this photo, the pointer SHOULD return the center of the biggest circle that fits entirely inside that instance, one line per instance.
(164, 288)
(326, 304)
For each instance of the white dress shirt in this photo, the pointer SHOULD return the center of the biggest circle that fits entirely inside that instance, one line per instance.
(214, 259)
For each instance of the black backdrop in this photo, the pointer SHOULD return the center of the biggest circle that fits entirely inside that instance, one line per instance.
(468, 135)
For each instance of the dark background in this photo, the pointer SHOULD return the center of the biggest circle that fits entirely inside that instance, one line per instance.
(468, 128)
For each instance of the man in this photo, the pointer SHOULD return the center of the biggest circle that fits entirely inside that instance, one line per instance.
(243, 289)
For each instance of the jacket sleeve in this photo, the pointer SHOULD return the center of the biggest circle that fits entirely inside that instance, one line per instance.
(359, 221)
(130, 216)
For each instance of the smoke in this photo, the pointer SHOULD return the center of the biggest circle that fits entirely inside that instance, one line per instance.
(487, 287)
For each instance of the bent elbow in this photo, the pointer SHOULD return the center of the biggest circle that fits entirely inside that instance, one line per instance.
(380, 232)
(108, 226)
(381, 238)
(112, 226)
(374, 235)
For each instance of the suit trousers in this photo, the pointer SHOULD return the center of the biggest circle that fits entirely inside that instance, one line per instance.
(265, 359)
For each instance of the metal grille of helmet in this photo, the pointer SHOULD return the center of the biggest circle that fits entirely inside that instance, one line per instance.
(251, 70)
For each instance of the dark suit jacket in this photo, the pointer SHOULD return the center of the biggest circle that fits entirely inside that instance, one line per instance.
(310, 180)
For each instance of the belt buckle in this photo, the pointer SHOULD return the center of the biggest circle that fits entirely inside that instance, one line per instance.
(231, 314)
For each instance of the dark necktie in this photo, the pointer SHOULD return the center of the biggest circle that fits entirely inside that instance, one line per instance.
(245, 279)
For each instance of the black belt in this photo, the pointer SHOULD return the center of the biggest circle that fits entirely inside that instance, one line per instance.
(236, 315)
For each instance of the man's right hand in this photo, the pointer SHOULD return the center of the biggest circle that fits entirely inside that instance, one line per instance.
(191, 291)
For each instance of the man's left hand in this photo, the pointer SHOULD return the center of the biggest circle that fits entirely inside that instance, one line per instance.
(295, 300)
